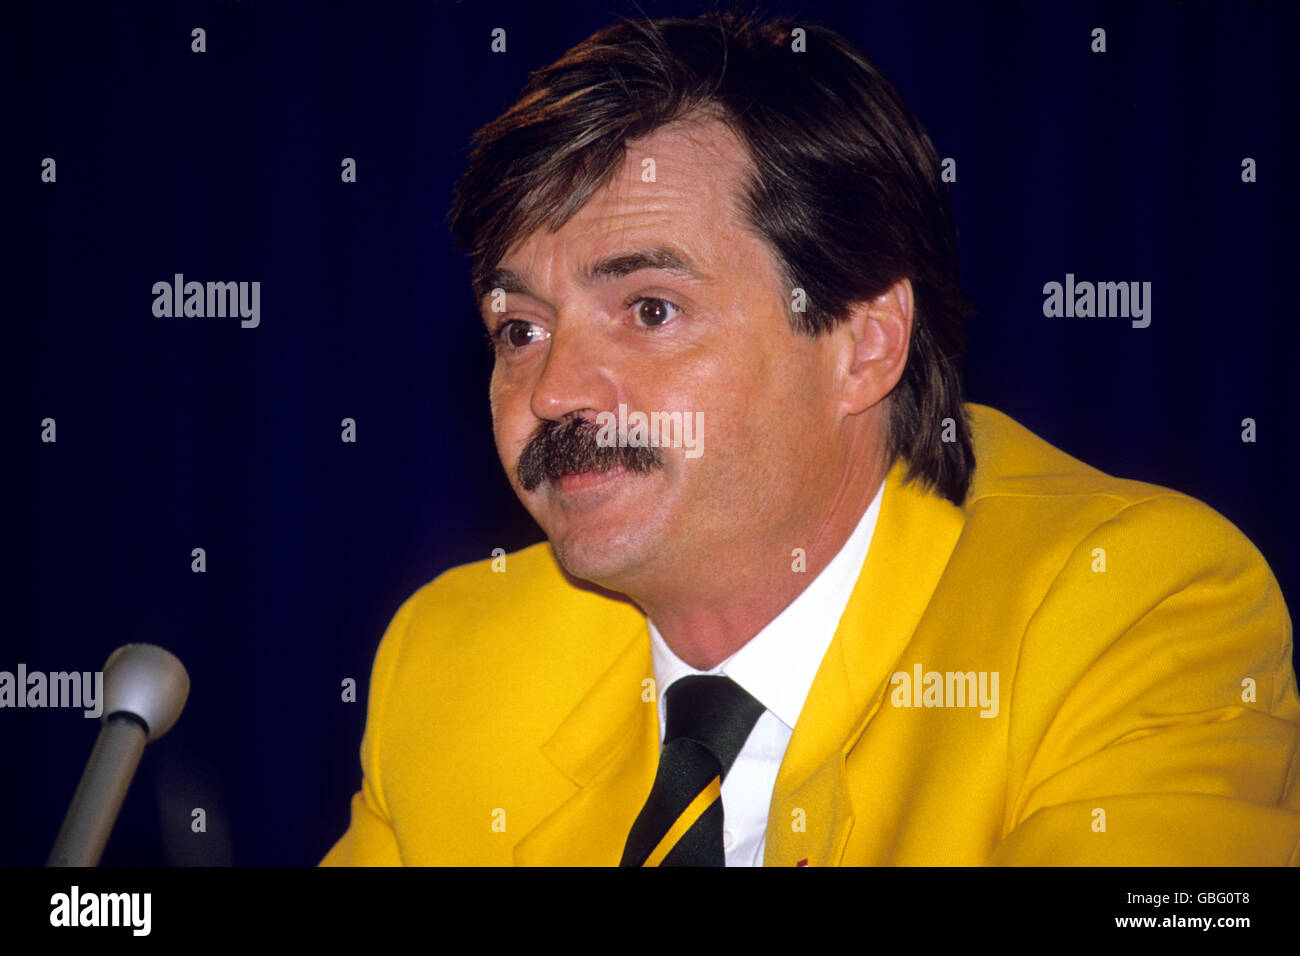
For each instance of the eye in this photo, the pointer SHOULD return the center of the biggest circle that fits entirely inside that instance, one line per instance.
(657, 312)
(514, 334)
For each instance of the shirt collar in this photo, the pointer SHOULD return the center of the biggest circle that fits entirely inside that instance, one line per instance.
(777, 665)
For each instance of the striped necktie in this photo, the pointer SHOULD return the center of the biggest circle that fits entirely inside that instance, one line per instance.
(709, 719)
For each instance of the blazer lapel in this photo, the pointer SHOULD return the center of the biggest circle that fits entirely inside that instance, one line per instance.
(812, 809)
(608, 747)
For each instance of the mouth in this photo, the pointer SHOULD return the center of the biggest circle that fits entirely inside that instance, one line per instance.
(581, 481)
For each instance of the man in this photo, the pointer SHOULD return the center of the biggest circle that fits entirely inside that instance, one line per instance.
(837, 617)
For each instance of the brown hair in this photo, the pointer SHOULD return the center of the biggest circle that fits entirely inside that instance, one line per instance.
(845, 188)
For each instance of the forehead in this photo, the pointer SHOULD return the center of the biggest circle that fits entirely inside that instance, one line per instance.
(677, 187)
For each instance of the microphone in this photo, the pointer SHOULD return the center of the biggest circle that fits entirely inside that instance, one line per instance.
(145, 688)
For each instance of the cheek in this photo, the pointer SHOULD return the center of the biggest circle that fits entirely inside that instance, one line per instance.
(728, 390)
(495, 405)
(779, 414)
(510, 420)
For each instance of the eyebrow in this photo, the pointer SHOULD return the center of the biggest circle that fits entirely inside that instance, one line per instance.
(605, 269)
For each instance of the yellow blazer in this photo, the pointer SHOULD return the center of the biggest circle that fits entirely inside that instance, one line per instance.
(1147, 710)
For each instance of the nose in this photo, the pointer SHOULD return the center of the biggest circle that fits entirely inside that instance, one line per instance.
(573, 379)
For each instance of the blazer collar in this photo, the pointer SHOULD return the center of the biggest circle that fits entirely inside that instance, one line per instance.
(914, 538)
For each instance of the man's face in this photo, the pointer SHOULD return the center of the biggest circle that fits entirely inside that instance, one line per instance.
(715, 343)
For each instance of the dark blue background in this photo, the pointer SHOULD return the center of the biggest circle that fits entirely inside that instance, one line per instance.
(183, 433)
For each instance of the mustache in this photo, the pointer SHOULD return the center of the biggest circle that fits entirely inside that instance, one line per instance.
(567, 447)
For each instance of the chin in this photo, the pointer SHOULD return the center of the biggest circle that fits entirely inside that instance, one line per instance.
(606, 560)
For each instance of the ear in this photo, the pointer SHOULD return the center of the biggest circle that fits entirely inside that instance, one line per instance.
(877, 336)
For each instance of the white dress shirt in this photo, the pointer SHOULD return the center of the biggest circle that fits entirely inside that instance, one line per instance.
(777, 666)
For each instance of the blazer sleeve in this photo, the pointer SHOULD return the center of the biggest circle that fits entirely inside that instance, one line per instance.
(370, 839)
(1154, 719)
